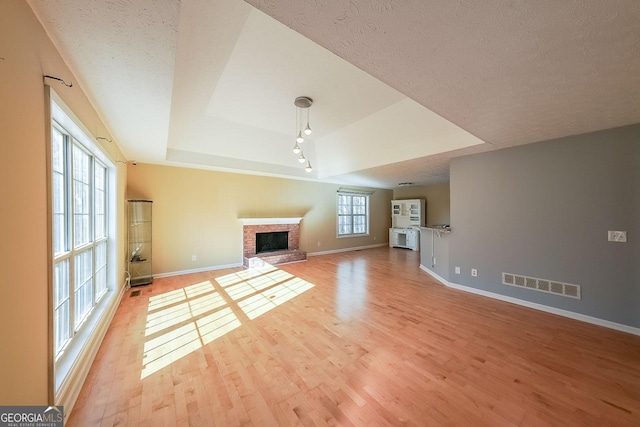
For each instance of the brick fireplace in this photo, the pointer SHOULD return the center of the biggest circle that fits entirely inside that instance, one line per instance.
(251, 226)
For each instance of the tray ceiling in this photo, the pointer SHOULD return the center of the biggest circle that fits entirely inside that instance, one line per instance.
(398, 87)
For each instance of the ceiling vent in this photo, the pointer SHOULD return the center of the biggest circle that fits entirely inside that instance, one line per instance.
(542, 285)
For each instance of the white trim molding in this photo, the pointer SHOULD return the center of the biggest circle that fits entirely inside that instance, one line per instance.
(221, 267)
(196, 270)
(435, 276)
(355, 248)
(560, 312)
(270, 221)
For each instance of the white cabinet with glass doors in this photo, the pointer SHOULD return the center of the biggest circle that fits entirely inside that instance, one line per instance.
(407, 213)
(407, 216)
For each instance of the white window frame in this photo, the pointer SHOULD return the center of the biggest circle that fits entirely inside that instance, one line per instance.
(351, 215)
(66, 357)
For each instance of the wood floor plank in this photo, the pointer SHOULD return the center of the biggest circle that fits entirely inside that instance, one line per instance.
(356, 338)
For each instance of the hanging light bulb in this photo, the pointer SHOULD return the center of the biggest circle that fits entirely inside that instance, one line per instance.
(307, 129)
(308, 168)
(301, 158)
(296, 148)
(299, 138)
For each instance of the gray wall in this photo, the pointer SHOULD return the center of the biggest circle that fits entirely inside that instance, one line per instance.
(543, 210)
(434, 244)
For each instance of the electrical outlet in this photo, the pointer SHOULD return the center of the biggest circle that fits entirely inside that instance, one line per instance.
(474, 272)
(457, 270)
(193, 257)
(318, 243)
(617, 236)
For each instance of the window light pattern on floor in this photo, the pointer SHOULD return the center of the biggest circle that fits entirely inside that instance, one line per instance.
(182, 321)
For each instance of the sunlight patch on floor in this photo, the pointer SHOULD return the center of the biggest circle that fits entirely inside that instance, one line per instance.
(244, 275)
(181, 312)
(166, 318)
(168, 348)
(250, 286)
(169, 298)
(271, 298)
(217, 324)
(181, 321)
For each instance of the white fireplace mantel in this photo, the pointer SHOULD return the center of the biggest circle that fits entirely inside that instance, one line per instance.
(269, 221)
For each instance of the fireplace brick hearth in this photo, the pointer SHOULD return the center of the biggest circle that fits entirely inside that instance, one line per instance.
(254, 226)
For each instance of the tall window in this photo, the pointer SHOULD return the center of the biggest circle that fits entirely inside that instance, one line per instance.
(79, 201)
(353, 214)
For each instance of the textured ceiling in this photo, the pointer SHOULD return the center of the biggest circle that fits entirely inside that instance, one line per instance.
(123, 54)
(509, 72)
(398, 87)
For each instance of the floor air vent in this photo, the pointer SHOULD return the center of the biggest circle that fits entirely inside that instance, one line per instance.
(542, 285)
(135, 293)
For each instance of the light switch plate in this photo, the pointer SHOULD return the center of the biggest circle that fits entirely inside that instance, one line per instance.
(617, 236)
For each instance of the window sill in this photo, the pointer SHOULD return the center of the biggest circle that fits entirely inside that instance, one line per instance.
(83, 347)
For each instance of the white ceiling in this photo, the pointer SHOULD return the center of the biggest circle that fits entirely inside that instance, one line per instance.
(398, 87)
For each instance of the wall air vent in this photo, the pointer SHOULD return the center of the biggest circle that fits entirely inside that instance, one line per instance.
(542, 285)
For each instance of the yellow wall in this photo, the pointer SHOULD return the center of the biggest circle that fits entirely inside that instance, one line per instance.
(27, 55)
(195, 212)
(437, 197)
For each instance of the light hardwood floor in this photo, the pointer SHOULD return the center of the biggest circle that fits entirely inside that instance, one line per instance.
(358, 338)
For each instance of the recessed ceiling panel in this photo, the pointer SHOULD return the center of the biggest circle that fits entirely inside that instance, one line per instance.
(271, 65)
(371, 142)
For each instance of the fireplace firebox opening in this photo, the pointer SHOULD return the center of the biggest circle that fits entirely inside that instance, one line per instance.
(271, 242)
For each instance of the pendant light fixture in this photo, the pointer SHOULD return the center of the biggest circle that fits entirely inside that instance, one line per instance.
(302, 103)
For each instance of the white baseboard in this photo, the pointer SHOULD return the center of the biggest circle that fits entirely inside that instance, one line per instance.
(221, 267)
(355, 248)
(435, 276)
(560, 312)
(196, 270)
